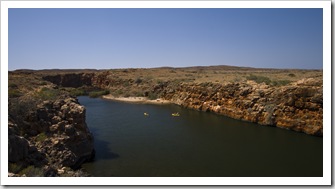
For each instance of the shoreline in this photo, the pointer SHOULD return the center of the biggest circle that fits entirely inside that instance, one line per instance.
(142, 100)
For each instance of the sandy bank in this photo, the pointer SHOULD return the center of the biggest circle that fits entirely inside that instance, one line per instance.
(143, 100)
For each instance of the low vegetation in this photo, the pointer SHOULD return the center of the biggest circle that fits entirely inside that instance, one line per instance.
(152, 96)
(95, 94)
(32, 171)
(15, 167)
(281, 82)
(259, 79)
(267, 80)
(14, 93)
(41, 137)
(76, 91)
(46, 93)
(27, 170)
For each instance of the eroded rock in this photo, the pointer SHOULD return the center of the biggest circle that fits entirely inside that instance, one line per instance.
(61, 137)
(296, 107)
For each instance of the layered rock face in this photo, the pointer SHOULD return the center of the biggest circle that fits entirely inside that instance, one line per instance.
(55, 136)
(297, 107)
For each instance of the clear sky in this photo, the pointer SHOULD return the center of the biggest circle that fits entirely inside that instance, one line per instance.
(144, 38)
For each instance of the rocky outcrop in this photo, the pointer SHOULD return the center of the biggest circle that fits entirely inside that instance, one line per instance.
(66, 137)
(296, 107)
(55, 137)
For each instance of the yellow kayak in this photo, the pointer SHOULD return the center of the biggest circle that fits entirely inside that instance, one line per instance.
(175, 114)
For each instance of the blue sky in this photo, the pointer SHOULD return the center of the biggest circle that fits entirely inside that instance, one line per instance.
(145, 38)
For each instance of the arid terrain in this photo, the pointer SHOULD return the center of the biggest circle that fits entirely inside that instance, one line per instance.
(47, 129)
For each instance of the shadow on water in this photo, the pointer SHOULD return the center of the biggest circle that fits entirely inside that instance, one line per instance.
(101, 147)
(102, 150)
(102, 154)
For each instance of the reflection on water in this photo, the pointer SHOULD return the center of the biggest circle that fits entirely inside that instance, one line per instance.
(202, 144)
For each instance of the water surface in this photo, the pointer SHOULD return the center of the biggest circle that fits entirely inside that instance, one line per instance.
(202, 144)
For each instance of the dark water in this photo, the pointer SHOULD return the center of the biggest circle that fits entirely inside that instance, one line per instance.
(130, 144)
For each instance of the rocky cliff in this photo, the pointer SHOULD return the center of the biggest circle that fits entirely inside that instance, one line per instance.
(51, 138)
(70, 79)
(296, 106)
(48, 135)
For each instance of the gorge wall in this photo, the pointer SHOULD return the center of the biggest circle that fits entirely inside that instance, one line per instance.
(71, 79)
(49, 140)
(297, 106)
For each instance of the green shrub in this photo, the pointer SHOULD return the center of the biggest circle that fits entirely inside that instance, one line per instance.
(152, 96)
(15, 167)
(280, 82)
(126, 84)
(138, 81)
(138, 93)
(19, 108)
(76, 91)
(47, 93)
(96, 94)
(41, 137)
(13, 93)
(259, 79)
(43, 83)
(119, 92)
(291, 75)
(266, 80)
(127, 94)
(32, 171)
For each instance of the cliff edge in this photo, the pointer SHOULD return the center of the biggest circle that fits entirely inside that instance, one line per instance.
(297, 107)
(49, 139)
(289, 99)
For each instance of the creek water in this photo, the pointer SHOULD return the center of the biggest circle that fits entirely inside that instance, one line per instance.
(129, 144)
